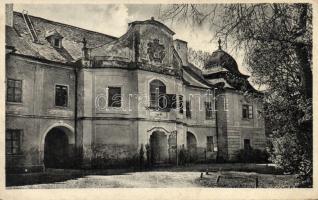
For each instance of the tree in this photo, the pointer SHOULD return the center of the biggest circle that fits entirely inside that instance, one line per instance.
(198, 58)
(277, 41)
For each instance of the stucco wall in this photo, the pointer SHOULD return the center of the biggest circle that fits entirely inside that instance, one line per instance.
(235, 129)
(37, 112)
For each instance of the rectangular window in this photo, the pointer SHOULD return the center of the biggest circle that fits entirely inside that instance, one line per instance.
(181, 104)
(13, 141)
(247, 144)
(61, 95)
(188, 109)
(209, 143)
(247, 111)
(14, 90)
(114, 97)
(209, 112)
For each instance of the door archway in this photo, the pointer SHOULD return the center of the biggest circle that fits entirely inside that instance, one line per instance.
(58, 150)
(191, 146)
(159, 147)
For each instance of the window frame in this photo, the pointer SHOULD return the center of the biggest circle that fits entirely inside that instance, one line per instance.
(108, 97)
(12, 140)
(247, 111)
(67, 100)
(211, 111)
(156, 101)
(14, 93)
(54, 40)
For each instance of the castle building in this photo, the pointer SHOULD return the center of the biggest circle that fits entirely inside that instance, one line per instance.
(78, 97)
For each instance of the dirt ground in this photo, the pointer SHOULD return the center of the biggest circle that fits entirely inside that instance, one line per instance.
(128, 180)
(220, 175)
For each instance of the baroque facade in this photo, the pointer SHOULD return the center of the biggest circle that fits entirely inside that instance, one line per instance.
(78, 97)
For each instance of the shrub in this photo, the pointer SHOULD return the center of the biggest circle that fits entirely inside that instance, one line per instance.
(252, 155)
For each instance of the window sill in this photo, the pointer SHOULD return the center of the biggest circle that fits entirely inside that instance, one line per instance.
(62, 107)
(247, 119)
(114, 109)
(159, 110)
(14, 103)
(15, 155)
(209, 119)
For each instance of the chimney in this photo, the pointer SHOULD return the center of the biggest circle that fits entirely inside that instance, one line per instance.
(182, 48)
(9, 14)
(85, 54)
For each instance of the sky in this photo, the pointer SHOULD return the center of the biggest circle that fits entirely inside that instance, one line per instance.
(113, 19)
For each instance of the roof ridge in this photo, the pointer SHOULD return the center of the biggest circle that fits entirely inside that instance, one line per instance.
(67, 25)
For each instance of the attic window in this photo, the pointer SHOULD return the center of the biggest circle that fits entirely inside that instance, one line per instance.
(57, 42)
(54, 38)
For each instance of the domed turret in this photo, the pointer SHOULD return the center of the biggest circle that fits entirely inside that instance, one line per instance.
(220, 59)
(220, 67)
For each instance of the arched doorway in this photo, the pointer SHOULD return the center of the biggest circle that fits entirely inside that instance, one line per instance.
(191, 146)
(57, 149)
(159, 147)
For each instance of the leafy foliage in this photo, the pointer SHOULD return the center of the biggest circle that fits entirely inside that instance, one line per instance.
(198, 58)
(252, 156)
(277, 41)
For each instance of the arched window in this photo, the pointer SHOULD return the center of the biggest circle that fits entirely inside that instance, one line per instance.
(157, 94)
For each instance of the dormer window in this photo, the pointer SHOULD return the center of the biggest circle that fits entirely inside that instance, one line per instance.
(57, 43)
(55, 38)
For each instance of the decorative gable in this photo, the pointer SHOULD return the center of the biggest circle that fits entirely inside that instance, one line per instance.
(156, 51)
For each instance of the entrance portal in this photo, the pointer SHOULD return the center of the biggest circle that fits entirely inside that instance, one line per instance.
(56, 149)
(159, 147)
(191, 146)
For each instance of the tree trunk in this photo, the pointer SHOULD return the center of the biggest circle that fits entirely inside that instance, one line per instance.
(302, 52)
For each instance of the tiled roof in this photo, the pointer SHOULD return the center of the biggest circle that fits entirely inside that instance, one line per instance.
(19, 37)
(220, 80)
